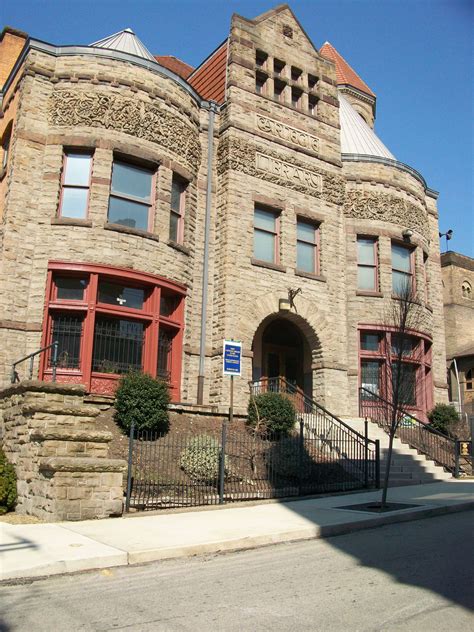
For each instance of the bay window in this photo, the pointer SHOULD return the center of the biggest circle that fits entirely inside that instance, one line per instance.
(109, 321)
(75, 184)
(130, 196)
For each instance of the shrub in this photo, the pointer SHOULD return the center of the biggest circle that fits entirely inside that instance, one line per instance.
(201, 459)
(276, 413)
(144, 400)
(283, 458)
(7, 485)
(445, 418)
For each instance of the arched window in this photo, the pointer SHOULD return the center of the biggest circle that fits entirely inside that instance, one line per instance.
(466, 290)
(6, 145)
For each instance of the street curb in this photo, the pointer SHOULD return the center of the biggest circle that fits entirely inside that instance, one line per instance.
(124, 558)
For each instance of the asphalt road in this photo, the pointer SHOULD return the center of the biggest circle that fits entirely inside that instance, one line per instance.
(408, 576)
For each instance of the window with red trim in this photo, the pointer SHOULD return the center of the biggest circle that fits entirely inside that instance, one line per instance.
(108, 322)
(75, 184)
(307, 247)
(402, 269)
(367, 274)
(265, 235)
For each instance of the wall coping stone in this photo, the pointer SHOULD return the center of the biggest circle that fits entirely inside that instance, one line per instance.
(38, 386)
(83, 464)
(59, 409)
(61, 434)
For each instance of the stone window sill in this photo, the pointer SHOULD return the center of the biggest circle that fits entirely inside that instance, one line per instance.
(180, 247)
(268, 265)
(131, 231)
(310, 275)
(71, 221)
(372, 294)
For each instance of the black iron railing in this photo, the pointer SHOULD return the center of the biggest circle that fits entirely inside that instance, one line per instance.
(356, 453)
(15, 377)
(428, 441)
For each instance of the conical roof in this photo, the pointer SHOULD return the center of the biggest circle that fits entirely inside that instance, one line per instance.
(356, 136)
(127, 42)
(345, 75)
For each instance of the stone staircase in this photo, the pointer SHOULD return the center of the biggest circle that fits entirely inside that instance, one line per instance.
(408, 466)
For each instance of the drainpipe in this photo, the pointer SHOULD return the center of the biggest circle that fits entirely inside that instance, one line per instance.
(213, 108)
(459, 386)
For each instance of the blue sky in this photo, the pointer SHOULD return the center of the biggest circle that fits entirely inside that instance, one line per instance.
(416, 55)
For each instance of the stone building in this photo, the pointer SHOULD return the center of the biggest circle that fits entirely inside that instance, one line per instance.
(150, 211)
(458, 295)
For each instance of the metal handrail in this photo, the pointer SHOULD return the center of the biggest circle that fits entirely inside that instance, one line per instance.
(434, 444)
(31, 357)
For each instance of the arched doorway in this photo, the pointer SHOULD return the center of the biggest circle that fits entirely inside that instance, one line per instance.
(281, 350)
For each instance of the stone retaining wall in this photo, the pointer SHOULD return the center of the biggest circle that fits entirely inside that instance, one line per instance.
(61, 459)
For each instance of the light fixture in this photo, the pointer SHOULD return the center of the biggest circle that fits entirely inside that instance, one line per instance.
(284, 305)
(407, 234)
(449, 235)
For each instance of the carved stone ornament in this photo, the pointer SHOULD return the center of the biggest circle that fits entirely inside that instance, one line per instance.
(386, 208)
(131, 116)
(237, 154)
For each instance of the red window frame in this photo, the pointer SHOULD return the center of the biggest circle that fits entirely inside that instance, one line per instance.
(411, 273)
(123, 196)
(64, 186)
(90, 308)
(374, 266)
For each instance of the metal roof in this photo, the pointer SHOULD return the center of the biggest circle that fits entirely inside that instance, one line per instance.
(127, 42)
(356, 136)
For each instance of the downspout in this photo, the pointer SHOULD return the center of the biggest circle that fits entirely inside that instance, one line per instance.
(205, 266)
(459, 385)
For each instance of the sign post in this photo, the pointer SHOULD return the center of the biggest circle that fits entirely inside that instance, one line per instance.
(232, 365)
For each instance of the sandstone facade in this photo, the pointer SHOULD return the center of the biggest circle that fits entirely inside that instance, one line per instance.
(275, 145)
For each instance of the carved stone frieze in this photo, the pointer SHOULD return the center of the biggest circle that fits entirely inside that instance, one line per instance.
(131, 116)
(386, 208)
(237, 154)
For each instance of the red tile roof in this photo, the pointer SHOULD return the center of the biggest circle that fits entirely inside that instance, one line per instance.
(209, 78)
(174, 64)
(344, 73)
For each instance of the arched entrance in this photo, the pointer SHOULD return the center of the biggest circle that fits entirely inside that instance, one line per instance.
(281, 350)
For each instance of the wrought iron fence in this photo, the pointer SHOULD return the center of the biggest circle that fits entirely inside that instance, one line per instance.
(428, 441)
(233, 464)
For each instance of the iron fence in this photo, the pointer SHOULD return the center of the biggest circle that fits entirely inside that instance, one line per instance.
(428, 441)
(229, 463)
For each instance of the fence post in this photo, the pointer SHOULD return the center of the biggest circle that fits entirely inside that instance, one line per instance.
(366, 452)
(300, 457)
(456, 457)
(377, 463)
(222, 463)
(129, 471)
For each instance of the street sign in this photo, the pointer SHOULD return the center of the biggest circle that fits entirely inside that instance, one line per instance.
(232, 356)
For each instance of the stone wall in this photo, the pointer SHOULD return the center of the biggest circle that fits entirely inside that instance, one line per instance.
(60, 458)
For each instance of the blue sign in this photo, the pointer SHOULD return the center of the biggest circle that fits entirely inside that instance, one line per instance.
(232, 357)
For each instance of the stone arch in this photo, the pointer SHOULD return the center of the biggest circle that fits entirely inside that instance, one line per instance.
(466, 289)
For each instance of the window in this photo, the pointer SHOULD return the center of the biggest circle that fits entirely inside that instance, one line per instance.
(367, 276)
(75, 185)
(426, 277)
(369, 342)
(312, 105)
(307, 247)
(130, 196)
(178, 199)
(469, 380)
(296, 73)
(261, 58)
(312, 81)
(278, 66)
(279, 90)
(466, 290)
(402, 269)
(109, 321)
(370, 378)
(6, 146)
(265, 243)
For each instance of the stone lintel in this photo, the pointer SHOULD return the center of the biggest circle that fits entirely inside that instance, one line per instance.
(60, 434)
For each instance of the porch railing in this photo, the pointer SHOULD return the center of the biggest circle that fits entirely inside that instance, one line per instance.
(355, 452)
(418, 435)
(14, 377)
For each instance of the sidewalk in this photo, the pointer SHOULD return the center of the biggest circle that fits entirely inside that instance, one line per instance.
(37, 550)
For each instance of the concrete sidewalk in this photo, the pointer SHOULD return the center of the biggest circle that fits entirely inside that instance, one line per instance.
(37, 550)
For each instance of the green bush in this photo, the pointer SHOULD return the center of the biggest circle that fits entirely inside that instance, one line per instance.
(276, 413)
(7, 485)
(443, 417)
(201, 459)
(144, 400)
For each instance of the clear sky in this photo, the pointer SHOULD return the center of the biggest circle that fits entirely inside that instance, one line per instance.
(416, 55)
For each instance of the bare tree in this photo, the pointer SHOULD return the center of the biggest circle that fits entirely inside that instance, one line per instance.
(405, 316)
